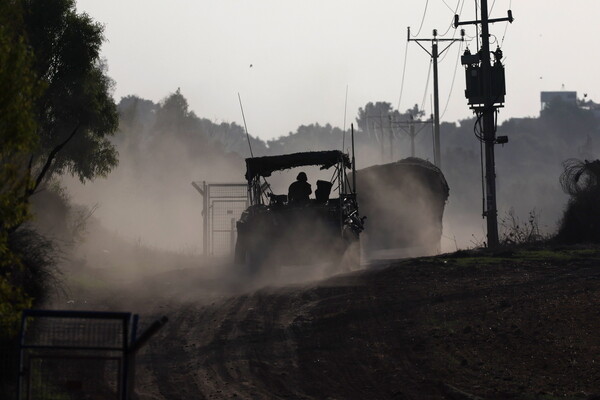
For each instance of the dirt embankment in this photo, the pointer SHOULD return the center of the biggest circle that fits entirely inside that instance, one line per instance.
(518, 325)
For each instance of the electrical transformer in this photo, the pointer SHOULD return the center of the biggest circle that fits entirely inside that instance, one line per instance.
(474, 91)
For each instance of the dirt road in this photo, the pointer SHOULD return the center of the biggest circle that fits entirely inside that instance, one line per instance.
(465, 326)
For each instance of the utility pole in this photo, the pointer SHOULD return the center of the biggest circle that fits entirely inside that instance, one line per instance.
(434, 54)
(382, 136)
(203, 190)
(409, 128)
(413, 135)
(485, 92)
(391, 139)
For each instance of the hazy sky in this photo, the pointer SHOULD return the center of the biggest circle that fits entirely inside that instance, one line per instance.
(304, 53)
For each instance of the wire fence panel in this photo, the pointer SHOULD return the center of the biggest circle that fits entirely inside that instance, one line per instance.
(225, 214)
(74, 332)
(233, 190)
(74, 355)
(226, 203)
(77, 377)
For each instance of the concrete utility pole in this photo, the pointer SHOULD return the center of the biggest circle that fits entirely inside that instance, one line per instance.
(485, 91)
(203, 190)
(434, 54)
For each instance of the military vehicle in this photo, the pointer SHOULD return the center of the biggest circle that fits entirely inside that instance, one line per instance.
(274, 232)
(405, 202)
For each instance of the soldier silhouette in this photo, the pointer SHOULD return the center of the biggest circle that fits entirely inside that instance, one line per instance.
(323, 191)
(299, 190)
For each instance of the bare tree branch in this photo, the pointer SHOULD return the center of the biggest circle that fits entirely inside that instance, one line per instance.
(49, 160)
(28, 176)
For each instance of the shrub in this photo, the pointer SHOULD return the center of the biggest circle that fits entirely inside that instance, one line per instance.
(514, 231)
(581, 219)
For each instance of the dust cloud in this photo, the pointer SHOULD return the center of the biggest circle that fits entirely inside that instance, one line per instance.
(149, 199)
(140, 228)
(404, 202)
(147, 223)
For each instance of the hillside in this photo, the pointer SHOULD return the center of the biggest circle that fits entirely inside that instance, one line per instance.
(520, 324)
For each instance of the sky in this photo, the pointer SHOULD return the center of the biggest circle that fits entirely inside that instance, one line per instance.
(292, 61)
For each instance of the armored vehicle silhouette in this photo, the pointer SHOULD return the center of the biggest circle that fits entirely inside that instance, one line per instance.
(274, 231)
(405, 203)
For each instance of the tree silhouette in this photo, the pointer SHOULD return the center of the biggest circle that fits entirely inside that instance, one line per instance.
(581, 219)
(18, 92)
(375, 115)
(76, 114)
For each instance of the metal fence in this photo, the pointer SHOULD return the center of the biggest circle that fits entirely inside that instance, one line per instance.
(75, 355)
(223, 204)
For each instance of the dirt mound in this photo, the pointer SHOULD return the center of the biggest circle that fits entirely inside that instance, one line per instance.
(518, 325)
(404, 203)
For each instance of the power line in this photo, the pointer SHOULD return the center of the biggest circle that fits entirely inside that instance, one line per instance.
(445, 54)
(403, 74)
(423, 19)
(449, 8)
(477, 26)
(469, 39)
(456, 12)
(426, 85)
(506, 26)
(453, 79)
(345, 108)
(434, 54)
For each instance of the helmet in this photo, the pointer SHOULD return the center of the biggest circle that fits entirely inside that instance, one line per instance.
(302, 177)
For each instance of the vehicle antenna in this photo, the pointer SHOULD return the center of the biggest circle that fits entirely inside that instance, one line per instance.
(245, 127)
(353, 162)
(345, 108)
(266, 185)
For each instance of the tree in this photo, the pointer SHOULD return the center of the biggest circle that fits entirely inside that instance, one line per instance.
(173, 112)
(56, 114)
(370, 116)
(18, 92)
(309, 138)
(135, 114)
(567, 122)
(76, 114)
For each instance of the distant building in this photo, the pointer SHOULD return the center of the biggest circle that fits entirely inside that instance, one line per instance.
(564, 96)
(591, 106)
(570, 98)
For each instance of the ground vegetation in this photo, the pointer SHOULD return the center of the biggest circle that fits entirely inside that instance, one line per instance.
(581, 219)
(19, 89)
(56, 114)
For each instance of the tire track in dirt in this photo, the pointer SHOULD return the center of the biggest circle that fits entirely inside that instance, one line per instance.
(412, 330)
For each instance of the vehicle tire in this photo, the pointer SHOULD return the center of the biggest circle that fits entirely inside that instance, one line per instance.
(239, 257)
(253, 263)
(247, 258)
(346, 254)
